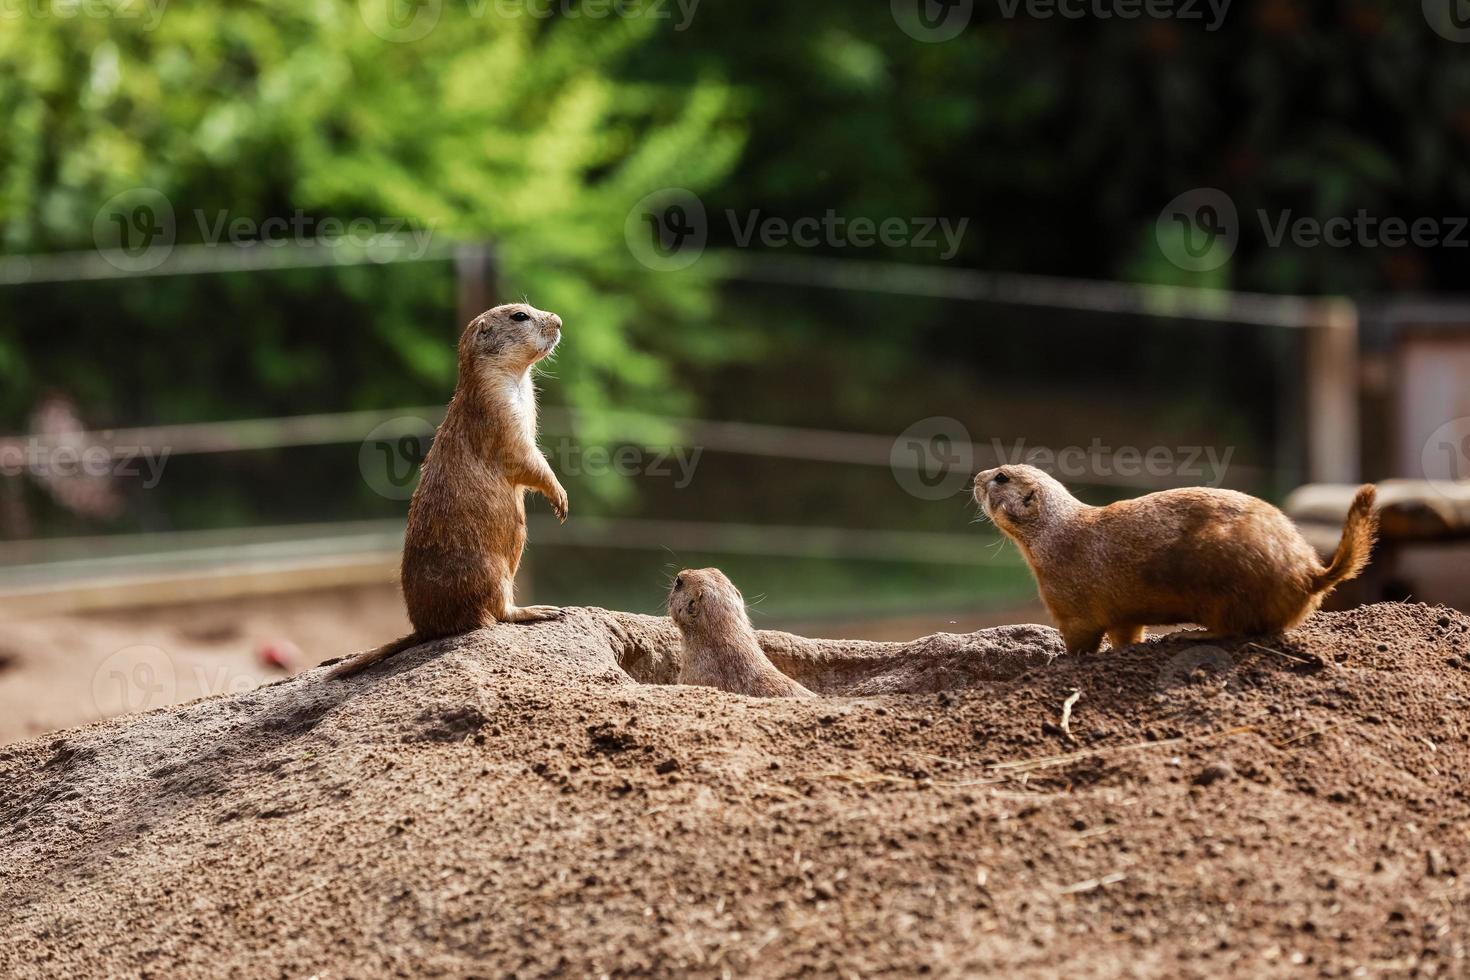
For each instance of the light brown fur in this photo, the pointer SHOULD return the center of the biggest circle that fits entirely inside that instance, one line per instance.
(467, 520)
(1226, 560)
(719, 647)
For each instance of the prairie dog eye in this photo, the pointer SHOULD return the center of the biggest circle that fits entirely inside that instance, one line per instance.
(1002, 478)
(520, 316)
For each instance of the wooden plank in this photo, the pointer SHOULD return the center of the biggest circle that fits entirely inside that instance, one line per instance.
(474, 273)
(228, 582)
(1433, 408)
(1333, 452)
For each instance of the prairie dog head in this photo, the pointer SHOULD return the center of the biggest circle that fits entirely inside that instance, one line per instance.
(703, 600)
(511, 337)
(1022, 500)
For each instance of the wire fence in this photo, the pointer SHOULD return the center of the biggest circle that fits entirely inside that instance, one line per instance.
(741, 438)
(1329, 429)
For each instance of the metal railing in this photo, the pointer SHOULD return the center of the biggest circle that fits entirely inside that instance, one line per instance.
(1328, 326)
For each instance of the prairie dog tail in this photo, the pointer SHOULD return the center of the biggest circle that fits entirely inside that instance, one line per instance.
(1358, 533)
(363, 661)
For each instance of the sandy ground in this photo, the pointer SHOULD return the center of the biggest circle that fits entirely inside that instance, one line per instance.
(520, 802)
(60, 672)
(63, 671)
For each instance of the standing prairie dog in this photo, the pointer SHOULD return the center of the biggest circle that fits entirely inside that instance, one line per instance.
(1228, 561)
(719, 647)
(467, 520)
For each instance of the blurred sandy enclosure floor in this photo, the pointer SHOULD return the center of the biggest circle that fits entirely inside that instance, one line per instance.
(61, 671)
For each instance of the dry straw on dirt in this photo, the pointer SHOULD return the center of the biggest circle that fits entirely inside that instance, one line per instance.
(534, 800)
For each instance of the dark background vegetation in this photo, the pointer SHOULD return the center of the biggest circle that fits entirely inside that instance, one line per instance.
(1060, 140)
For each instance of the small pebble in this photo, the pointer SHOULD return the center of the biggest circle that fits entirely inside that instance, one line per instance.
(281, 655)
(1213, 773)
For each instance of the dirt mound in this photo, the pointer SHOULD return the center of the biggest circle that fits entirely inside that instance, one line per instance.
(533, 800)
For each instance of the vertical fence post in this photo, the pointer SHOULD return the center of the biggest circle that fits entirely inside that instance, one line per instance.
(1331, 400)
(476, 287)
(474, 274)
(475, 293)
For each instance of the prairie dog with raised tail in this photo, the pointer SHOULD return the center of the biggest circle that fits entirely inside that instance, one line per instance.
(1228, 561)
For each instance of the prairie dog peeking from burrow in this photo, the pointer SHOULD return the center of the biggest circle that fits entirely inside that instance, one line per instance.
(1228, 561)
(719, 646)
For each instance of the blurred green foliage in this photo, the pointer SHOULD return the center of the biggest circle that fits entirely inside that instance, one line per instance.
(1063, 138)
(1059, 139)
(513, 129)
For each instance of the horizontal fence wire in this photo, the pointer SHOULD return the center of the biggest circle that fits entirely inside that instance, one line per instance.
(741, 438)
(43, 561)
(1088, 295)
(773, 441)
